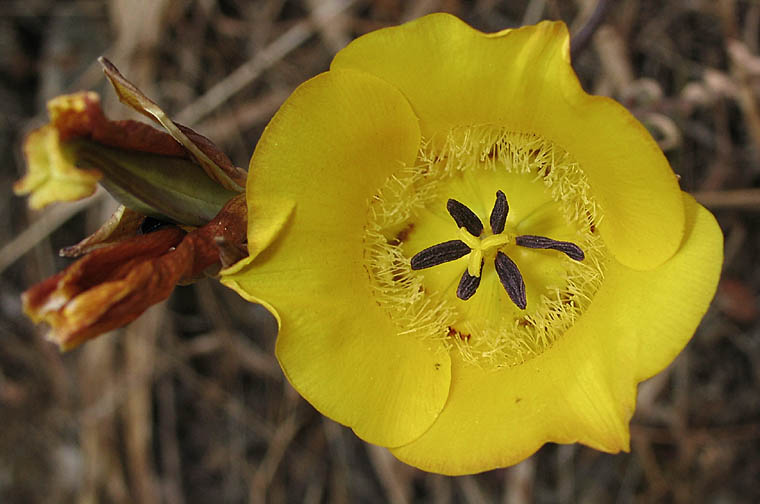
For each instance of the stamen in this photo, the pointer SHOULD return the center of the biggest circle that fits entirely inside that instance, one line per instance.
(468, 284)
(465, 217)
(439, 254)
(499, 213)
(511, 279)
(570, 249)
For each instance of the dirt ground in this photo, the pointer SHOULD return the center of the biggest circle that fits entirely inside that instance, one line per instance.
(188, 405)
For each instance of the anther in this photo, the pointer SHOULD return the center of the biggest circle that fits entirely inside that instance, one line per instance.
(570, 249)
(499, 213)
(464, 217)
(468, 284)
(511, 279)
(439, 254)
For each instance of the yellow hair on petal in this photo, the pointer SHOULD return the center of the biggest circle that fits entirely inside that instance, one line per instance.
(504, 337)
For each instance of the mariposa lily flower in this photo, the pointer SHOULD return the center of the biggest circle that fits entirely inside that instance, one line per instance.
(467, 255)
(182, 213)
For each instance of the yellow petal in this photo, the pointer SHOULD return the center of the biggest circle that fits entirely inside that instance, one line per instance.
(583, 388)
(663, 307)
(266, 218)
(52, 175)
(330, 147)
(522, 80)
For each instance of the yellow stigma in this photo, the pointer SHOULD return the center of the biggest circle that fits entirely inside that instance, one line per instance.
(480, 247)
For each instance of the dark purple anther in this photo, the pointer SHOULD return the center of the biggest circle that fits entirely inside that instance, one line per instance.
(464, 217)
(499, 213)
(468, 284)
(439, 254)
(572, 250)
(511, 279)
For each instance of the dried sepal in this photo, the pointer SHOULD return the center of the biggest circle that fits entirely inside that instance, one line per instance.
(215, 163)
(123, 224)
(80, 115)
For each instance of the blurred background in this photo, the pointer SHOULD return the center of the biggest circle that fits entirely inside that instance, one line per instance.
(188, 405)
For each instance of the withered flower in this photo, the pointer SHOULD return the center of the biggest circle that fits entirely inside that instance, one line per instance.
(183, 213)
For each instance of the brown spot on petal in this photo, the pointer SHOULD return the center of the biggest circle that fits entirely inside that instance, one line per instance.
(402, 235)
(455, 333)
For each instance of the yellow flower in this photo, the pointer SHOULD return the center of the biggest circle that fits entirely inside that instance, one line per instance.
(409, 309)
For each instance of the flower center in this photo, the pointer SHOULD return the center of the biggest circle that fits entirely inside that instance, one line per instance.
(501, 293)
(470, 244)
